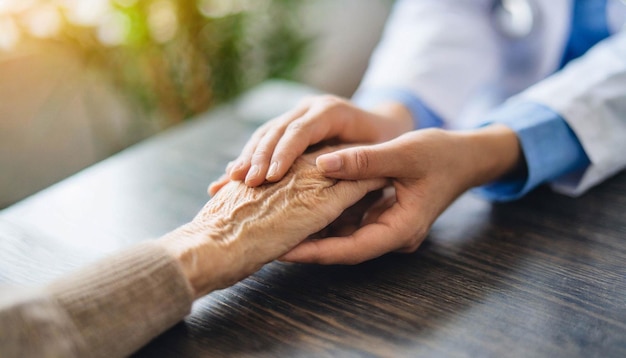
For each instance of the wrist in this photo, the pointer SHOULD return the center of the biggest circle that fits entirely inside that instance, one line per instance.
(491, 152)
(392, 120)
(202, 253)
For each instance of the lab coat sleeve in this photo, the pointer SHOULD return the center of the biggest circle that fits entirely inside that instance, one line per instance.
(590, 95)
(549, 147)
(434, 56)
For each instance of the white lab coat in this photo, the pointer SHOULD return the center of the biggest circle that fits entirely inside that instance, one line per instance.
(459, 61)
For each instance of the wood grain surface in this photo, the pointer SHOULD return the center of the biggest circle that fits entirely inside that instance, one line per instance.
(544, 276)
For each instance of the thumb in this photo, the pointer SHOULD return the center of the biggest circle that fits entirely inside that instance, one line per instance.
(362, 162)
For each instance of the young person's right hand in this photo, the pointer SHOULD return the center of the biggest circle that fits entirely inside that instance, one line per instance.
(428, 170)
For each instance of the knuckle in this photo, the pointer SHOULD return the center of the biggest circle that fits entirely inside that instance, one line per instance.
(330, 102)
(298, 127)
(317, 100)
(285, 119)
(288, 154)
(361, 160)
(307, 100)
(330, 98)
(261, 154)
(262, 130)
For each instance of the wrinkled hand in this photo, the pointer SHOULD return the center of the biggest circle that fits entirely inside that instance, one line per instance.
(242, 228)
(273, 148)
(429, 170)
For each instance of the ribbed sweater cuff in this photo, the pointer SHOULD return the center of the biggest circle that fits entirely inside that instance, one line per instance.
(120, 303)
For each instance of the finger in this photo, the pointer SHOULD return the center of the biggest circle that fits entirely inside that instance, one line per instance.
(347, 193)
(350, 220)
(313, 127)
(381, 160)
(215, 186)
(241, 165)
(260, 161)
(394, 230)
(373, 214)
(244, 161)
(369, 242)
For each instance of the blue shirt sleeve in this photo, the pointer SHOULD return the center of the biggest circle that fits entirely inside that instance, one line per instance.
(550, 149)
(423, 117)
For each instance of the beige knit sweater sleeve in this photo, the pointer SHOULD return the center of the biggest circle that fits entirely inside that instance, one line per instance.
(109, 309)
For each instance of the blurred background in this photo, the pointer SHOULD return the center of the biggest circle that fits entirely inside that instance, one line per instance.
(83, 79)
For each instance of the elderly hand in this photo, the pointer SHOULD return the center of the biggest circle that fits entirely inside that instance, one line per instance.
(429, 170)
(242, 228)
(273, 148)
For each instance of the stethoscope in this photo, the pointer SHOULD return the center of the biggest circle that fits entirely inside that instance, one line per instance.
(515, 18)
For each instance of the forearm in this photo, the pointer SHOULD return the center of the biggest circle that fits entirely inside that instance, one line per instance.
(397, 119)
(489, 153)
(588, 94)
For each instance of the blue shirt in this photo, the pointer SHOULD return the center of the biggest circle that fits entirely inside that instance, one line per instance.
(550, 148)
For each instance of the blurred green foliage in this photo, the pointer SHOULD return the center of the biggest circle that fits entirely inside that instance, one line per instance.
(178, 58)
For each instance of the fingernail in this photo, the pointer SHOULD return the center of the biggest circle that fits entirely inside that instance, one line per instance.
(273, 170)
(329, 163)
(252, 173)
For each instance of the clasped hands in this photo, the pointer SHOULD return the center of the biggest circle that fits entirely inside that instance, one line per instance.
(424, 171)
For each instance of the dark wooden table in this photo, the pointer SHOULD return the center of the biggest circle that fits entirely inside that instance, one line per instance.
(544, 276)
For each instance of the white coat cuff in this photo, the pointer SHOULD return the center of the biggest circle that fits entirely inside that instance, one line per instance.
(550, 148)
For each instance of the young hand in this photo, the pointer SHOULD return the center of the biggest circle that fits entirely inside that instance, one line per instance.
(429, 170)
